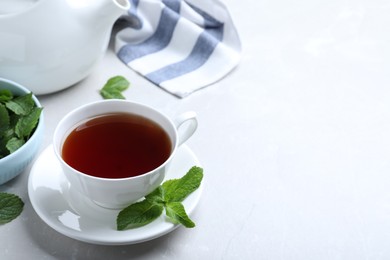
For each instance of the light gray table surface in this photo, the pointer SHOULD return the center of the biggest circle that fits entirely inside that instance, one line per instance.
(295, 143)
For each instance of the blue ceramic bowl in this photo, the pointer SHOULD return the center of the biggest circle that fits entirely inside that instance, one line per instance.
(13, 164)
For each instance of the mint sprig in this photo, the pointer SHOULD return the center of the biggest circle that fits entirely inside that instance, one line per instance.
(114, 87)
(10, 207)
(168, 196)
(19, 117)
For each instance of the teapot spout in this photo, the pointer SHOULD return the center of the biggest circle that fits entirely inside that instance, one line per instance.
(116, 7)
(112, 9)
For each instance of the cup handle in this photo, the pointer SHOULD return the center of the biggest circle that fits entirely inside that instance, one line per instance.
(186, 125)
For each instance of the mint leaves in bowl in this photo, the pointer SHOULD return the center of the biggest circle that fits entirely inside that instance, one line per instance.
(21, 128)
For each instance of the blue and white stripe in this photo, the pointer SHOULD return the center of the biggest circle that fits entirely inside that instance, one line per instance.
(181, 46)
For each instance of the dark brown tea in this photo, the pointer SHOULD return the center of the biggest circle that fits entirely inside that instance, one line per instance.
(117, 145)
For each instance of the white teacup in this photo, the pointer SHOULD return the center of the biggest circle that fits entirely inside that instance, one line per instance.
(118, 193)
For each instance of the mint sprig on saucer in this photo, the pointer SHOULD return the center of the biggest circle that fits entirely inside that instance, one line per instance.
(168, 196)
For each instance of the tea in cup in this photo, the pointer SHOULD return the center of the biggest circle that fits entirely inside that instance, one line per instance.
(115, 151)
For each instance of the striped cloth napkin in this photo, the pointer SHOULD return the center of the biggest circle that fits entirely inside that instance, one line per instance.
(181, 46)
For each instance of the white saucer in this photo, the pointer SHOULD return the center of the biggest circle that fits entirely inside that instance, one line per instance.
(73, 215)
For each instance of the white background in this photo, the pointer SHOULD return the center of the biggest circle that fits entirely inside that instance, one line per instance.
(295, 143)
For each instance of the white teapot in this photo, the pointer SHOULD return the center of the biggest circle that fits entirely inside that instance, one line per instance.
(49, 45)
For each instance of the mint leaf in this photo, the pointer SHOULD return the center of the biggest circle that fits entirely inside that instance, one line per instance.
(3, 149)
(156, 195)
(4, 138)
(4, 119)
(178, 189)
(138, 214)
(14, 144)
(21, 105)
(10, 207)
(5, 95)
(114, 87)
(26, 124)
(177, 214)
